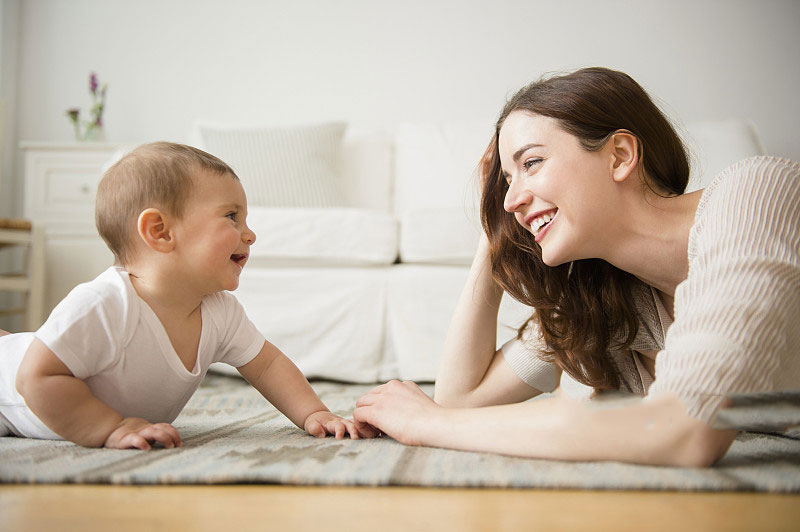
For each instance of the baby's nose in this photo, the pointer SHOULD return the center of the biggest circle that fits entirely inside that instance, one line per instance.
(249, 236)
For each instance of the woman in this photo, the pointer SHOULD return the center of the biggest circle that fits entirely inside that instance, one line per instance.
(586, 220)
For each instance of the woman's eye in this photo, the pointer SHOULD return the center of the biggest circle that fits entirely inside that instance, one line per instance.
(528, 164)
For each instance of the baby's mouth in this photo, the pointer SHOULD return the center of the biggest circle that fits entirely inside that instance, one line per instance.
(239, 259)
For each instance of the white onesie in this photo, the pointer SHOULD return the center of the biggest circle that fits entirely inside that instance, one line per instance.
(111, 339)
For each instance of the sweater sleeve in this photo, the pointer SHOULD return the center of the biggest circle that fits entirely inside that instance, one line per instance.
(736, 311)
(523, 356)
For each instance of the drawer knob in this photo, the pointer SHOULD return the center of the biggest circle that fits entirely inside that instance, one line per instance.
(85, 188)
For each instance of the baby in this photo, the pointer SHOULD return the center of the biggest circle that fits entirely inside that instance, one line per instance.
(120, 356)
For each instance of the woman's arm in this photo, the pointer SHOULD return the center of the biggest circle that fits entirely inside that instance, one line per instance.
(656, 430)
(472, 372)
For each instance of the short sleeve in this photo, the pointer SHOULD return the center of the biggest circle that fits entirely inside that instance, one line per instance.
(736, 312)
(240, 340)
(523, 357)
(85, 329)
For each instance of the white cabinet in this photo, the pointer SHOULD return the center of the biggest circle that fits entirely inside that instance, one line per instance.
(60, 184)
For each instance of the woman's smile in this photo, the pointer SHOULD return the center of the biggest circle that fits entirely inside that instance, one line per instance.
(540, 222)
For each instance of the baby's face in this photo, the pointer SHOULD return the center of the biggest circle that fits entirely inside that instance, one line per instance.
(212, 238)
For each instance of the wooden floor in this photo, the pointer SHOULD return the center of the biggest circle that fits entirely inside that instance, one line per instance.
(222, 508)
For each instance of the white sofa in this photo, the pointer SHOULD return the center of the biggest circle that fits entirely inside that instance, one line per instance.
(363, 288)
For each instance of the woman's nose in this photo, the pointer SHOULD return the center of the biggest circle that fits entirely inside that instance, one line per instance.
(516, 196)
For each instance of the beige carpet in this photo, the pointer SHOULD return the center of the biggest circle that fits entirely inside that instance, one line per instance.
(232, 435)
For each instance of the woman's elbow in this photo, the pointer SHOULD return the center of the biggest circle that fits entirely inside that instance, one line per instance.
(701, 446)
(450, 399)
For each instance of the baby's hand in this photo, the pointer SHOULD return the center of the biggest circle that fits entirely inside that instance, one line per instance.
(137, 433)
(320, 424)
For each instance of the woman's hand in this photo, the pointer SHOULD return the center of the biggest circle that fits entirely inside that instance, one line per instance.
(398, 409)
(137, 433)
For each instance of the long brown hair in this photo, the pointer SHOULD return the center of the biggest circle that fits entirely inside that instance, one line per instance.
(586, 308)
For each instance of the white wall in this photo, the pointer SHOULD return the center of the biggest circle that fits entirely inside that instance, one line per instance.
(169, 62)
(9, 53)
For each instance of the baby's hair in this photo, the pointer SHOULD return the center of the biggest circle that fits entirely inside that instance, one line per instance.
(156, 175)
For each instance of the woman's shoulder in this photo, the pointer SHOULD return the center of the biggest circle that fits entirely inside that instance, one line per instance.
(751, 206)
(751, 186)
(763, 175)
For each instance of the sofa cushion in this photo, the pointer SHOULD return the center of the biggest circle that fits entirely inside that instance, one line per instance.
(420, 303)
(439, 236)
(436, 190)
(329, 321)
(282, 166)
(436, 165)
(335, 236)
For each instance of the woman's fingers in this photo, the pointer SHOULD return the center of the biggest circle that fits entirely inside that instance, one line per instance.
(352, 430)
(373, 395)
(366, 400)
(363, 415)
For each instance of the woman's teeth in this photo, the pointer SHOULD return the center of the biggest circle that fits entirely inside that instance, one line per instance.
(538, 223)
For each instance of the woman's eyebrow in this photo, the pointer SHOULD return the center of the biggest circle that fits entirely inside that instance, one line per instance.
(519, 152)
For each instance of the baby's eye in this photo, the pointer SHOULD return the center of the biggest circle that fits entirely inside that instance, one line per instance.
(232, 215)
(528, 164)
(507, 178)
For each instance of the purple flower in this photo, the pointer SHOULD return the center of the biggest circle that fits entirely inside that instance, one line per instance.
(93, 83)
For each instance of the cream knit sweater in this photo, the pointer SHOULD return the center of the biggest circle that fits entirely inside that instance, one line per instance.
(737, 314)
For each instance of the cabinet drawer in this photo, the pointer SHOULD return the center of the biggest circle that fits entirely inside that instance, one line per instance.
(70, 187)
(60, 185)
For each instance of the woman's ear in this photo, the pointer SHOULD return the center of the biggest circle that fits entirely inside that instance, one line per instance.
(625, 152)
(153, 228)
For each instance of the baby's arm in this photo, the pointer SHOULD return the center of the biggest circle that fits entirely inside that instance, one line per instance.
(66, 405)
(282, 384)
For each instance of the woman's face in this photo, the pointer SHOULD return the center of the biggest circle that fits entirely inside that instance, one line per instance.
(559, 191)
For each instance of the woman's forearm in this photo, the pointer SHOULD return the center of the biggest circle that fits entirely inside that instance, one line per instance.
(471, 339)
(656, 432)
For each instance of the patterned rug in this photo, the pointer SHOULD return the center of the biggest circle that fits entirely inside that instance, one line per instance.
(232, 435)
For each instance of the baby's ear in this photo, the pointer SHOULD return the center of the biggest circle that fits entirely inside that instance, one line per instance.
(153, 228)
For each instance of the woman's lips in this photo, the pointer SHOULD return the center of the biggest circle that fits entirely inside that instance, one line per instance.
(539, 222)
(540, 234)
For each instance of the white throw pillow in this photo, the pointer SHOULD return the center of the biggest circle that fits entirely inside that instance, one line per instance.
(282, 166)
(322, 237)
